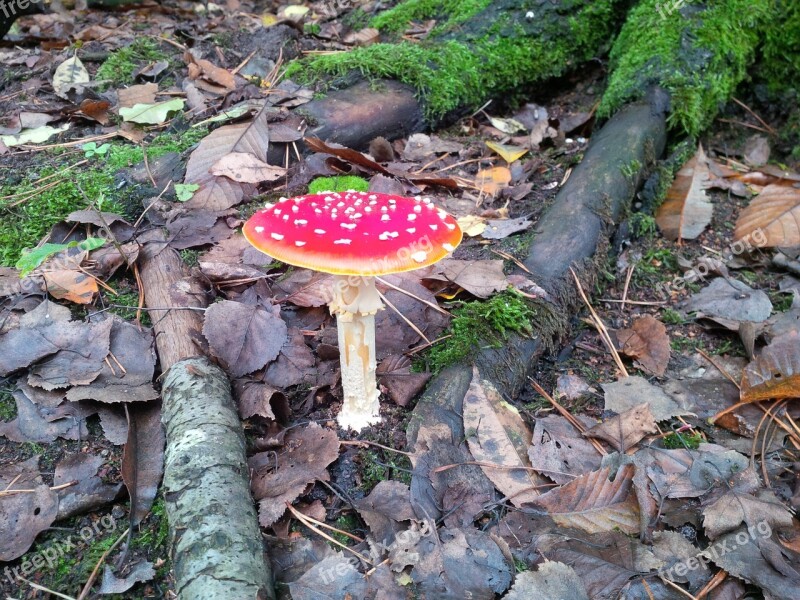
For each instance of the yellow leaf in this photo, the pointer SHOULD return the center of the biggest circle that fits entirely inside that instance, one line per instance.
(509, 153)
(472, 225)
(491, 181)
(268, 19)
(71, 285)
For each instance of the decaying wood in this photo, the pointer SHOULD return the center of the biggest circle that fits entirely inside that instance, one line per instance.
(216, 543)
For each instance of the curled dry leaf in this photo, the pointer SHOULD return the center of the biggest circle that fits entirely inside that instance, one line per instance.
(775, 373)
(647, 342)
(772, 219)
(687, 211)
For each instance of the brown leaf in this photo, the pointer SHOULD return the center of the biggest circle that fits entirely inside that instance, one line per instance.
(294, 365)
(775, 373)
(594, 504)
(243, 337)
(90, 492)
(627, 392)
(364, 37)
(256, 398)
(552, 581)
(137, 94)
(497, 435)
(394, 373)
(73, 285)
(127, 375)
(23, 516)
(491, 181)
(282, 477)
(648, 343)
(687, 210)
(143, 458)
(481, 278)
(201, 68)
(559, 451)
(772, 219)
(626, 429)
(36, 423)
(243, 167)
(731, 299)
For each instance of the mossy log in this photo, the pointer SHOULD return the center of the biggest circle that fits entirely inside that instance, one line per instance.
(217, 549)
(573, 233)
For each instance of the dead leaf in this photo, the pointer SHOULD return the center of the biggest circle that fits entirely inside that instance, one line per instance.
(498, 229)
(143, 458)
(731, 299)
(36, 423)
(491, 181)
(384, 511)
(628, 392)
(472, 225)
(507, 152)
(127, 375)
(497, 435)
(595, 504)
(756, 151)
(90, 492)
(243, 337)
(256, 398)
(243, 167)
(481, 278)
(137, 94)
(282, 477)
(201, 68)
(69, 76)
(363, 37)
(772, 218)
(559, 451)
(775, 374)
(23, 516)
(627, 429)
(686, 210)
(295, 364)
(73, 285)
(142, 571)
(552, 581)
(420, 146)
(647, 342)
(394, 374)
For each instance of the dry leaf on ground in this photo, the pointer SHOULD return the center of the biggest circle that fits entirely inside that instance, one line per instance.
(730, 299)
(497, 435)
(775, 373)
(626, 429)
(686, 211)
(647, 342)
(244, 337)
(143, 458)
(306, 453)
(772, 218)
(595, 504)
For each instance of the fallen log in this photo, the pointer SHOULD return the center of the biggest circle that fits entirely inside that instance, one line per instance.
(216, 544)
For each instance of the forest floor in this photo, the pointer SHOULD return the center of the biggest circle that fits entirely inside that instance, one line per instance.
(97, 165)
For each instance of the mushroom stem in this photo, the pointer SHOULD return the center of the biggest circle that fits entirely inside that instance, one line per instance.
(355, 302)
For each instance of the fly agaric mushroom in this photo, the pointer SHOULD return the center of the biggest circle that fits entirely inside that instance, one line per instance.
(355, 236)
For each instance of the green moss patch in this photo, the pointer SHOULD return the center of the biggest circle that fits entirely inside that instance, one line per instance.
(499, 49)
(699, 54)
(119, 67)
(344, 183)
(781, 50)
(481, 323)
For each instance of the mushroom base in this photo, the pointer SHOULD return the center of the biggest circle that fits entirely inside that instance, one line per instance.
(355, 305)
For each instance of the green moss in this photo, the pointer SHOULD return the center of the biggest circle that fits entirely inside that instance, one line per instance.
(683, 440)
(119, 67)
(190, 257)
(481, 323)
(356, 19)
(344, 183)
(498, 51)
(643, 225)
(348, 523)
(374, 469)
(631, 170)
(781, 50)
(8, 407)
(25, 224)
(671, 317)
(699, 54)
(448, 13)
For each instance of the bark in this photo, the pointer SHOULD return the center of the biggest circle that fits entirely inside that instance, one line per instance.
(217, 548)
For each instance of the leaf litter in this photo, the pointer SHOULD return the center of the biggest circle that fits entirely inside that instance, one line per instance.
(545, 498)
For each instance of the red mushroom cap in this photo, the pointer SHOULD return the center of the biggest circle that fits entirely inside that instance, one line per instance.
(354, 233)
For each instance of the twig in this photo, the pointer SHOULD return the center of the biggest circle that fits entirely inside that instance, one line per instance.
(41, 588)
(433, 305)
(678, 588)
(636, 302)
(305, 520)
(601, 328)
(513, 259)
(9, 492)
(713, 583)
(627, 284)
(757, 118)
(423, 346)
(719, 368)
(367, 443)
(416, 329)
(305, 517)
(489, 465)
(96, 569)
(566, 414)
